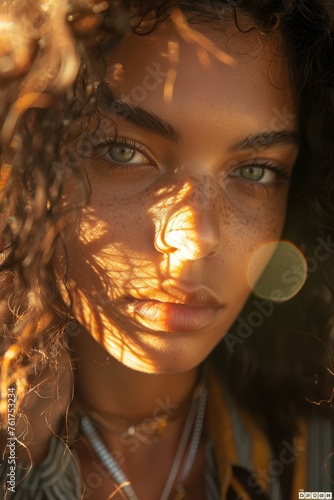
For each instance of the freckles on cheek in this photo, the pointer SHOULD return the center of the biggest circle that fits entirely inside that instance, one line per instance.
(266, 222)
(244, 231)
(114, 226)
(262, 204)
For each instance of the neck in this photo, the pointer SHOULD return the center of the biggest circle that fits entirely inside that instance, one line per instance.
(108, 387)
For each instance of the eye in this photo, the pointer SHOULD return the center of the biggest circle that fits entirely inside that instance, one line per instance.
(254, 174)
(122, 155)
(126, 154)
(261, 173)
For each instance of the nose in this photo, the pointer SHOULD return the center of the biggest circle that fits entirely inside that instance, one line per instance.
(192, 228)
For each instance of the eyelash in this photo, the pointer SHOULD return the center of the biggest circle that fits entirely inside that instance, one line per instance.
(128, 143)
(281, 173)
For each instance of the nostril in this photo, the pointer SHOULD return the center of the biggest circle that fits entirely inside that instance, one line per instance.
(161, 244)
(193, 233)
(192, 244)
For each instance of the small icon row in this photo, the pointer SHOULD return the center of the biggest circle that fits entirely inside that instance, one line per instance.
(320, 495)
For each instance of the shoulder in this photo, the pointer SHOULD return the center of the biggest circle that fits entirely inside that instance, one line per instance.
(56, 476)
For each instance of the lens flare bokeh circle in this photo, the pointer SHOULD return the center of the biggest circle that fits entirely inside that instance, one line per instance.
(284, 275)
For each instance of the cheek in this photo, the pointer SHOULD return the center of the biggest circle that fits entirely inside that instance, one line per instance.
(254, 217)
(244, 232)
(262, 225)
(114, 244)
(119, 225)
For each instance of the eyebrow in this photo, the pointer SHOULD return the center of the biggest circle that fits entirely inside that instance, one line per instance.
(137, 115)
(146, 120)
(266, 139)
(151, 122)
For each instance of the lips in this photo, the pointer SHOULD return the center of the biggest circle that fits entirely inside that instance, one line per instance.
(164, 316)
(179, 294)
(184, 311)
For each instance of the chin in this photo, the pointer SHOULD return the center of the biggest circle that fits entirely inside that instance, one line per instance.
(166, 366)
(169, 359)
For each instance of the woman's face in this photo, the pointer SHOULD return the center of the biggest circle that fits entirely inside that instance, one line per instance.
(195, 181)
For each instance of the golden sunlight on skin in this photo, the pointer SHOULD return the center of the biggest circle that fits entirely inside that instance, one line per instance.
(159, 270)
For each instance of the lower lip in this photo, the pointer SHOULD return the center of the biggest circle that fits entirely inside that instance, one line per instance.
(162, 316)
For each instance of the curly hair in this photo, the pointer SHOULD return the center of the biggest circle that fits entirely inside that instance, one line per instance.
(52, 55)
(47, 86)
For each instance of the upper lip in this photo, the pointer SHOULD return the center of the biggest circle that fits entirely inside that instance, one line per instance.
(178, 294)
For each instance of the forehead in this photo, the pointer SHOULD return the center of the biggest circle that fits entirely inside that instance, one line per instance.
(207, 74)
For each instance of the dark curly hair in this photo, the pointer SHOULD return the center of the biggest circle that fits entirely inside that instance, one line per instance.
(51, 59)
